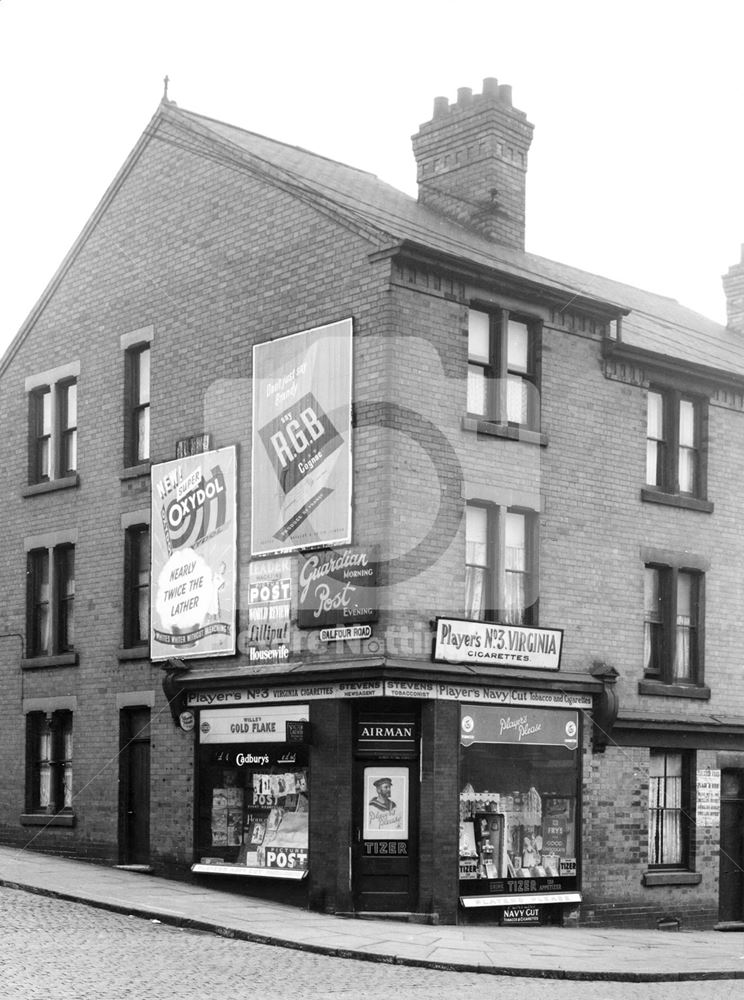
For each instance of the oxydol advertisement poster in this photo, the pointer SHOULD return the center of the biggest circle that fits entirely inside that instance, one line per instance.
(301, 474)
(193, 531)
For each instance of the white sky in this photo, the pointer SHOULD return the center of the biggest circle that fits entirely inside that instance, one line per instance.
(635, 169)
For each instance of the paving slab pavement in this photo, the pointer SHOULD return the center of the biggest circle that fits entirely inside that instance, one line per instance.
(544, 952)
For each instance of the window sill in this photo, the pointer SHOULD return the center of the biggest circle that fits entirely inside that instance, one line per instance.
(512, 432)
(660, 689)
(65, 483)
(651, 879)
(60, 660)
(649, 495)
(133, 653)
(135, 471)
(44, 819)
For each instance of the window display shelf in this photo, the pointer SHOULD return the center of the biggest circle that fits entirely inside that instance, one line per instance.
(521, 899)
(253, 872)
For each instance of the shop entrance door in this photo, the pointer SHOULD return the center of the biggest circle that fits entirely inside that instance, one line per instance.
(134, 778)
(385, 836)
(731, 865)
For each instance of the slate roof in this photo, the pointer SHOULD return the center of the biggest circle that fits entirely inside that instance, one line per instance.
(654, 322)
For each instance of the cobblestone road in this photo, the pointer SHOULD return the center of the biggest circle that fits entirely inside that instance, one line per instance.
(54, 950)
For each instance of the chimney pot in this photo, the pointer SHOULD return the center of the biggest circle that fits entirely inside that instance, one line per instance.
(441, 106)
(505, 93)
(490, 87)
(464, 96)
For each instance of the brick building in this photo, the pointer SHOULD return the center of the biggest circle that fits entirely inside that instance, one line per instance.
(354, 555)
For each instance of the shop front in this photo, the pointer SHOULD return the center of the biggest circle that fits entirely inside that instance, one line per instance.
(253, 792)
(519, 809)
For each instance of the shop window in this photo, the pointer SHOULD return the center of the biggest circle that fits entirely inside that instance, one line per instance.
(254, 793)
(503, 363)
(48, 762)
(51, 600)
(137, 586)
(53, 439)
(673, 599)
(669, 818)
(501, 564)
(675, 451)
(137, 424)
(518, 813)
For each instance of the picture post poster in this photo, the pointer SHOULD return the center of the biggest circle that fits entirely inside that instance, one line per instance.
(301, 441)
(385, 803)
(193, 530)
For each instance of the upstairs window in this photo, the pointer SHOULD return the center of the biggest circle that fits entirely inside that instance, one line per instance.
(503, 351)
(51, 600)
(53, 426)
(675, 458)
(501, 564)
(672, 645)
(49, 762)
(137, 444)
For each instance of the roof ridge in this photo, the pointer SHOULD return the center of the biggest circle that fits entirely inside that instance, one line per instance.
(207, 119)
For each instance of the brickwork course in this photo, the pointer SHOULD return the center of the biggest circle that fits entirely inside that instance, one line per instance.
(211, 240)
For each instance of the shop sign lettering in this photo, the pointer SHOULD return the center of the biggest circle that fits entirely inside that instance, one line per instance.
(387, 848)
(462, 641)
(338, 588)
(537, 726)
(286, 857)
(521, 915)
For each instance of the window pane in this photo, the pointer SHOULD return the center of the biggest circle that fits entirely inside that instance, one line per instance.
(40, 617)
(475, 592)
(655, 417)
(655, 439)
(477, 390)
(652, 637)
(67, 763)
(476, 536)
(479, 336)
(45, 412)
(515, 541)
(687, 470)
(143, 376)
(66, 590)
(684, 645)
(517, 351)
(70, 405)
(143, 434)
(687, 423)
(517, 396)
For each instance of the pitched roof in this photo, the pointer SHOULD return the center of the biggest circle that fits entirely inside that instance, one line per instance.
(654, 323)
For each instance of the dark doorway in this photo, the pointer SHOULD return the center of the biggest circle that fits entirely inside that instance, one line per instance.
(386, 811)
(134, 787)
(731, 899)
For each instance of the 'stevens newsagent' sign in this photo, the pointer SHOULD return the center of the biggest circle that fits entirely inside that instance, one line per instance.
(487, 644)
(301, 475)
(193, 538)
(338, 588)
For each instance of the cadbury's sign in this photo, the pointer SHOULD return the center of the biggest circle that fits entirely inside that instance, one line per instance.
(338, 587)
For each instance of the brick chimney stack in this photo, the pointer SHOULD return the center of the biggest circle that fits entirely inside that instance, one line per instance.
(472, 162)
(733, 286)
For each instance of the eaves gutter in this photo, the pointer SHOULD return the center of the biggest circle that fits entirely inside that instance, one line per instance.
(541, 290)
(622, 351)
